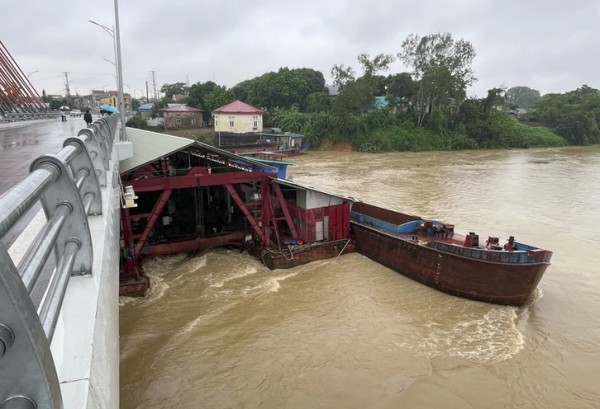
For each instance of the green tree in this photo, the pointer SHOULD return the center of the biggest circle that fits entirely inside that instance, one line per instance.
(218, 97)
(522, 97)
(357, 98)
(401, 89)
(198, 91)
(242, 90)
(57, 103)
(137, 121)
(135, 104)
(442, 68)
(574, 115)
(179, 88)
(342, 75)
(283, 89)
(157, 106)
(318, 102)
(495, 100)
(380, 62)
(314, 79)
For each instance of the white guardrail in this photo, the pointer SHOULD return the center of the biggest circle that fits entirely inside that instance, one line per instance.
(62, 351)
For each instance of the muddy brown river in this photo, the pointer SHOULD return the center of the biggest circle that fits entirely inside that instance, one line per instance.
(222, 331)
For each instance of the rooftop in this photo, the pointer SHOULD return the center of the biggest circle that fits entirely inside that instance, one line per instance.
(238, 107)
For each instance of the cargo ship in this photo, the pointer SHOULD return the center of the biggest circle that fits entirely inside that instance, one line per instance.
(187, 196)
(432, 253)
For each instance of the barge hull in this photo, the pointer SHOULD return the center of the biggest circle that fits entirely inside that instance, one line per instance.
(294, 256)
(498, 283)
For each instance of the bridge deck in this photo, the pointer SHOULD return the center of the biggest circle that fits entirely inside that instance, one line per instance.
(20, 144)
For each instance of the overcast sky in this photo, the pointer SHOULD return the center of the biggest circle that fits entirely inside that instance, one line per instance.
(548, 45)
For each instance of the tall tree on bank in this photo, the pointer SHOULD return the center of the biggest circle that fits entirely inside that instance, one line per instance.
(179, 88)
(442, 67)
(286, 88)
(371, 67)
(357, 96)
(342, 75)
(314, 79)
(522, 97)
(218, 97)
(401, 89)
(197, 93)
(574, 115)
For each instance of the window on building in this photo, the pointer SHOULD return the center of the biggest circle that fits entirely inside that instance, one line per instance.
(193, 121)
(178, 121)
(255, 121)
(231, 121)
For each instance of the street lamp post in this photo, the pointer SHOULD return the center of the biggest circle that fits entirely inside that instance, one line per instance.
(110, 32)
(120, 69)
(115, 34)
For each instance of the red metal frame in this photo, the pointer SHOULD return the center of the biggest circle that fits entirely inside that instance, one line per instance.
(196, 177)
(158, 208)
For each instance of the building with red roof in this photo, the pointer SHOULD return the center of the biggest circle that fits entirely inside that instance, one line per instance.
(238, 117)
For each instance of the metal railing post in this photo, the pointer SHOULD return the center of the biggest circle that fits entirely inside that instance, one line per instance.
(26, 367)
(68, 185)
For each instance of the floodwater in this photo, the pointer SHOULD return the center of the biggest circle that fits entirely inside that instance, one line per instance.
(222, 331)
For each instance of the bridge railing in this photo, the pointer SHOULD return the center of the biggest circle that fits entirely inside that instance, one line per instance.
(68, 186)
(27, 116)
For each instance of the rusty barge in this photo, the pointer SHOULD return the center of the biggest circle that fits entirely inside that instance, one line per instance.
(181, 195)
(431, 253)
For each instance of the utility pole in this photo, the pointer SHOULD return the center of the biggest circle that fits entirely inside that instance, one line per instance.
(154, 84)
(147, 95)
(67, 88)
(120, 71)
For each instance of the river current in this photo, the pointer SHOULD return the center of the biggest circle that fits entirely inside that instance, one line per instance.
(220, 330)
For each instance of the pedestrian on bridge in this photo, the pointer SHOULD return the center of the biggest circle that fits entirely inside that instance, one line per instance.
(87, 117)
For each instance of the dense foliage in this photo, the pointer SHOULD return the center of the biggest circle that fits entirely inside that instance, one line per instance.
(575, 115)
(522, 97)
(137, 121)
(425, 109)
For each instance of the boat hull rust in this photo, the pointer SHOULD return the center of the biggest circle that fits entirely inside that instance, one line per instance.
(294, 256)
(484, 280)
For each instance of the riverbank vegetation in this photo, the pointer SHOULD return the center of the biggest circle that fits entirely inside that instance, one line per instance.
(425, 109)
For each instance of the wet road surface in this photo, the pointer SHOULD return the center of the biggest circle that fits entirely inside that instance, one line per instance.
(19, 146)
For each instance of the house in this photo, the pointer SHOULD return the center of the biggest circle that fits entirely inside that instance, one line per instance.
(146, 109)
(100, 97)
(381, 103)
(518, 112)
(238, 117)
(182, 116)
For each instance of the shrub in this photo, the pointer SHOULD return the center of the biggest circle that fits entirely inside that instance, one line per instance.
(137, 121)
